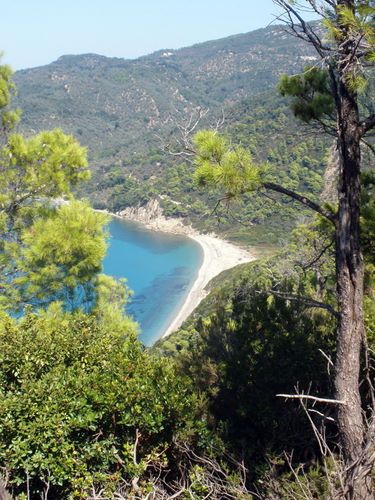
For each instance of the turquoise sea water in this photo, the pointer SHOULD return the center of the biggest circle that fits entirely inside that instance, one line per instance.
(160, 269)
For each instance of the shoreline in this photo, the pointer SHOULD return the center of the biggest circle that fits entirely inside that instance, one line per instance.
(218, 255)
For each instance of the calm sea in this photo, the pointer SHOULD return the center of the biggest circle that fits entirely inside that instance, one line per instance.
(160, 269)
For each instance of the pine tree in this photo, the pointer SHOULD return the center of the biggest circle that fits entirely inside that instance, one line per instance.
(329, 95)
(51, 247)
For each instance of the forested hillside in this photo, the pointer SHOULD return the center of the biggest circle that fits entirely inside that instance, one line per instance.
(116, 106)
(126, 112)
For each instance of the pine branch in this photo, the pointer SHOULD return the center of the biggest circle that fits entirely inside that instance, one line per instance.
(307, 301)
(302, 199)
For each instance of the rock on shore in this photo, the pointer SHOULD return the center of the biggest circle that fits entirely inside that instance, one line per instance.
(151, 215)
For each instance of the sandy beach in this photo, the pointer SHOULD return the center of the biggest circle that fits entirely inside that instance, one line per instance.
(218, 255)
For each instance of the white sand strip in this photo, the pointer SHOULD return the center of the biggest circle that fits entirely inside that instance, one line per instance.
(219, 255)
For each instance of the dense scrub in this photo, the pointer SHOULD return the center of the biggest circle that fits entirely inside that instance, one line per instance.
(75, 397)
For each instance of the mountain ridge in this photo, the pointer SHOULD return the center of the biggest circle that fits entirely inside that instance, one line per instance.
(211, 74)
(160, 52)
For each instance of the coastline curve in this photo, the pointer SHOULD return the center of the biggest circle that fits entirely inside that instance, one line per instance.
(218, 254)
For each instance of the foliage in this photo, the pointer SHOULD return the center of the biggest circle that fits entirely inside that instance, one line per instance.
(50, 249)
(219, 164)
(354, 24)
(74, 395)
(247, 342)
(60, 255)
(45, 165)
(311, 91)
(298, 481)
(227, 169)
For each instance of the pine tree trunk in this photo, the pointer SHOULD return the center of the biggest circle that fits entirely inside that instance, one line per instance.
(350, 271)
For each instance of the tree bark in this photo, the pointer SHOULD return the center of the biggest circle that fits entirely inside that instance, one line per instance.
(350, 272)
(344, 61)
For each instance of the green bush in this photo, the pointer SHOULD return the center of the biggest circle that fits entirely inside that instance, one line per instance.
(74, 397)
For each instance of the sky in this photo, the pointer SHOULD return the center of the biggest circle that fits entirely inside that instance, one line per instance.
(37, 32)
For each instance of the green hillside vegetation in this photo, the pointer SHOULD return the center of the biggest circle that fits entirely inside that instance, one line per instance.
(126, 112)
(116, 106)
(296, 158)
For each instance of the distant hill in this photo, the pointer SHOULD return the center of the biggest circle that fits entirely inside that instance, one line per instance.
(115, 106)
(124, 110)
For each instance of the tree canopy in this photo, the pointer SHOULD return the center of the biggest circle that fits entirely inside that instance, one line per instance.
(51, 246)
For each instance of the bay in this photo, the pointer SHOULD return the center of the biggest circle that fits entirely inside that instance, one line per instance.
(160, 268)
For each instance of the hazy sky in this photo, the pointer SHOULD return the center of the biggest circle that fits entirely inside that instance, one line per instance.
(36, 32)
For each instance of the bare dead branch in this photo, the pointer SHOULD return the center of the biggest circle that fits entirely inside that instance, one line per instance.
(303, 29)
(312, 398)
(319, 256)
(312, 410)
(328, 358)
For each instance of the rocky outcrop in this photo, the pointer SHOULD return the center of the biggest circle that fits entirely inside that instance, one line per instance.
(151, 215)
(329, 193)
